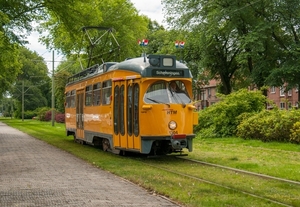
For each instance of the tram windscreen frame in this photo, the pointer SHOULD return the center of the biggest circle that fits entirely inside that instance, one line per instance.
(160, 92)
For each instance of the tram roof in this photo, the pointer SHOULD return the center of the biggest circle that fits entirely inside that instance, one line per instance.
(154, 66)
(150, 66)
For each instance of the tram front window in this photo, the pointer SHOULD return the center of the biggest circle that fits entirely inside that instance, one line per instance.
(164, 92)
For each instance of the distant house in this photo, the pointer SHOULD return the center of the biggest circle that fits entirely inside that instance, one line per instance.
(281, 98)
(207, 95)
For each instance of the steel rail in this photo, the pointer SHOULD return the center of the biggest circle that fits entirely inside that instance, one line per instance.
(220, 185)
(241, 171)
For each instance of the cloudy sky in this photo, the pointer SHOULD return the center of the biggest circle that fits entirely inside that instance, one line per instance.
(150, 8)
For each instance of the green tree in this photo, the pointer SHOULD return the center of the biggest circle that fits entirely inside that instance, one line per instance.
(9, 63)
(241, 42)
(121, 16)
(213, 41)
(286, 35)
(16, 22)
(33, 81)
(63, 72)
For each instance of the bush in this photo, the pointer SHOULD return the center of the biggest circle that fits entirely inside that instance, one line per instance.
(29, 114)
(295, 133)
(272, 125)
(222, 117)
(60, 118)
(42, 113)
(48, 116)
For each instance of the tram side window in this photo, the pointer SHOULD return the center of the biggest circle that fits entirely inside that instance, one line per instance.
(88, 95)
(129, 110)
(72, 98)
(97, 94)
(116, 110)
(68, 100)
(122, 119)
(106, 95)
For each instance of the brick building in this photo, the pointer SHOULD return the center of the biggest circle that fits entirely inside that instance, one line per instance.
(281, 98)
(207, 95)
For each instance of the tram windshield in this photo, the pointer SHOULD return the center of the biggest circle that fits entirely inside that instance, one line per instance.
(167, 92)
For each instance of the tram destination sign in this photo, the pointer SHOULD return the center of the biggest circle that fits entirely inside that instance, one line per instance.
(168, 73)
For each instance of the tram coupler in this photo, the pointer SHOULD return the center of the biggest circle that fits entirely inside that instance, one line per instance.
(178, 141)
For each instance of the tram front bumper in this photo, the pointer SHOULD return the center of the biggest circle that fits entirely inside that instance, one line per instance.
(178, 141)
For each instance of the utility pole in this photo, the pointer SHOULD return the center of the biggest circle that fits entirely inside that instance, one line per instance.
(12, 107)
(23, 100)
(53, 101)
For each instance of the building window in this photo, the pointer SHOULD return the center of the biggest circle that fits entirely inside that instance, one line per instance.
(290, 105)
(270, 106)
(290, 92)
(203, 95)
(273, 89)
(281, 91)
(282, 105)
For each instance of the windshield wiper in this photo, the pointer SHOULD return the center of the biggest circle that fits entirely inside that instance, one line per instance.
(155, 101)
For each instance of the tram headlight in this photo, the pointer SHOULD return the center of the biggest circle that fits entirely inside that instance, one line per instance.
(172, 125)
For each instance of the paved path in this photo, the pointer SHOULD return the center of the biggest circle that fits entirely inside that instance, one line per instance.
(34, 173)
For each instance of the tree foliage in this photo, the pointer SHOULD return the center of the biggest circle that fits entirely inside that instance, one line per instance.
(9, 64)
(241, 41)
(63, 21)
(162, 41)
(17, 20)
(120, 18)
(33, 81)
(64, 70)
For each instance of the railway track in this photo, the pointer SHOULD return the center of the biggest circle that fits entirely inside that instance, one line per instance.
(241, 171)
(277, 198)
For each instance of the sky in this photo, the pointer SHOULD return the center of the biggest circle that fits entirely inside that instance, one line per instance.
(150, 8)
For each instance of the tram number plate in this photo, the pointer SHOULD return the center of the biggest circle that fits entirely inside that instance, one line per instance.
(173, 132)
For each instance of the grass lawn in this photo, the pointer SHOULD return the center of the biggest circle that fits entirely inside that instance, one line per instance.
(272, 158)
(276, 159)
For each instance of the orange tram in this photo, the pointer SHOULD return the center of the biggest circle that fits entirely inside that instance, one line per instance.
(139, 105)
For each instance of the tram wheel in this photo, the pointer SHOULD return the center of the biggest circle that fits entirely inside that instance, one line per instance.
(105, 145)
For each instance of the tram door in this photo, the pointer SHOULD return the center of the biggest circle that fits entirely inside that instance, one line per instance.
(79, 114)
(126, 115)
(119, 115)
